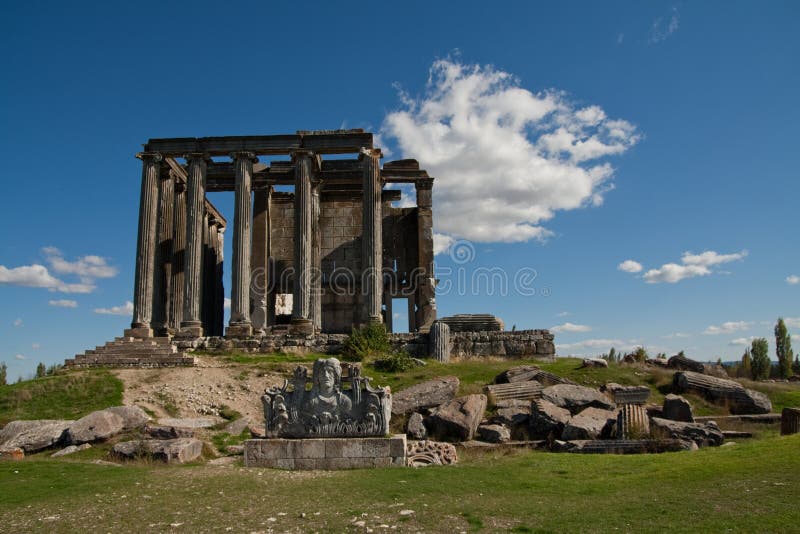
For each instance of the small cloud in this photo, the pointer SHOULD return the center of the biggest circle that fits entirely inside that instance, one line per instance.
(692, 265)
(441, 243)
(227, 303)
(563, 314)
(743, 341)
(395, 315)
(17, 322)
(86, 267)
(570, 327)
(630, 266)
(63, 303)
(125, 309)
(791, 322)
(595, 345)
(20, 357)
(727, 328)
(675, 335)
(661, 29)
(793, 280)
(35, 346)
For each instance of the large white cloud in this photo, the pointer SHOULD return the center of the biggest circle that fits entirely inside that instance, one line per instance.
(38, 276)
(505, 159)
(86, 267)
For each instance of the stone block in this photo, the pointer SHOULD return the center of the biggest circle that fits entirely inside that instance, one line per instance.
(306, 448)
(375, 448)
(325, 453)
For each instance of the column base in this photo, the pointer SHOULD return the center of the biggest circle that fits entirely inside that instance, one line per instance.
(191, 329)
(139, 332)
(239, 330)
(301, 326)
(375, 319)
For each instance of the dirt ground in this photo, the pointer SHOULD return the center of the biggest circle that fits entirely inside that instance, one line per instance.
(199, 391)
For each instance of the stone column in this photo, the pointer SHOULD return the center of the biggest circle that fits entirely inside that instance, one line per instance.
(259, 260)
(178, 254)
(440, 342)
(218, 241)
(426, 284)
(207, 281)
(163, 263)
(145, 248)
(388, 319)
(316, 266)
(191, 325)
(371, 235)
(240, 324)
(301, 294)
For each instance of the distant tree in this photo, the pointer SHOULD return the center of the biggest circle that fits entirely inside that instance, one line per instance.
(41, 370)
(783, 349)
(3, 373)
(745, 368)
(796, 365)
(612, 355)
(640, 354)
(682, 354)
(761, 364)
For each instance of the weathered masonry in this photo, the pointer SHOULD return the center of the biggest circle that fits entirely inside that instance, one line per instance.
(317, 244)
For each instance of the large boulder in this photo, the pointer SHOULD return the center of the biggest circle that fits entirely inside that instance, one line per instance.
(514, 414)
(676, 408)
(588, 424)
(96, 426)
(701, 433)
(33, 436)
(171, 451)
(132, 416)
(167, 432)
(458, 419)
(547, 420)
(576, 398)
(494, 433)
(594, 362)
(425, 395)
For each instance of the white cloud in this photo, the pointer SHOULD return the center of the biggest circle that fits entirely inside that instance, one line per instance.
(125, 309)
(743, 341)
(630, 266)
(505, 159)
(20, 357)
(596, 345)
(63, 303)
(226, 303)
(727, 328)
(86, 267)
(676, 335)
(17, 322)
(660, 30)
(441, 243)
(38, 276)
(793, 280)
(791, 322)
(691, 265)
(36, 346)
(570, 327)
(563, 314)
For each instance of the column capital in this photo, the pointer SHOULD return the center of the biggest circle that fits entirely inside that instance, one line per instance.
(154, 157)
(195, 156)
(370, 152)
(423, 183)
(302, 152)
(244, 154)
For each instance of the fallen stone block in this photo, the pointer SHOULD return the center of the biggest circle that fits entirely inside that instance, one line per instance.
(425, 395)
(703, 434)
(424, 453)
(521, 373)
(415, 428)
(191, 422)
(588, 424)
(790, 421)
(547, 420)
(594, 362)
(171, 451)
(96, 426)
(132, 416)
(494, 433)
(576, 398)
(630, 446)
(458, 419)
(514, 390)
(33, 436)
(722, 391)
(676, 408)
(167, 432)
(626, 394)
(71, 449)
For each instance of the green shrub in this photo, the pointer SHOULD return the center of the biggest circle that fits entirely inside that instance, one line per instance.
(396, 362)
(368, 341)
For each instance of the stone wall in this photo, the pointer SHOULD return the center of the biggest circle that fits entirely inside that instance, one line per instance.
(326, 453)
(466, 345)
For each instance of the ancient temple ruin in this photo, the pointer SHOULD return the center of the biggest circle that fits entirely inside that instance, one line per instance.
(309, 222)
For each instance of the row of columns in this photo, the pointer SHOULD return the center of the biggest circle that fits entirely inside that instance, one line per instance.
(174, 224)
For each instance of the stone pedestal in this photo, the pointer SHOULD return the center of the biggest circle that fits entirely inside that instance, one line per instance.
(301, 326)
(326, 453)
(790, 421)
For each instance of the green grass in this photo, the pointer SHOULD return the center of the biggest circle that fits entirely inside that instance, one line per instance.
(749, 487)
(63, 396)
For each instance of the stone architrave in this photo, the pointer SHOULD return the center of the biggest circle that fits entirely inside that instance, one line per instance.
(372, 235)
(301, 295)
(146, 247)
(327, 410)
(240, 324)
(191, 324)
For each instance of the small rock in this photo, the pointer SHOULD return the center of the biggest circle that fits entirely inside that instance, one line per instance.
(70, 450)
(177, 451)
(494, 433)
(594, 362)
(407, 512)
(12, 453)
(415, 428)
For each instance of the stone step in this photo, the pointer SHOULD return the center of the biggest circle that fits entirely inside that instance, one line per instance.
(136, 350)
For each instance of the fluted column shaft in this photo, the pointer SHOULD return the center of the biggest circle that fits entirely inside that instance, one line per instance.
(191, 324)
(146, 247)
(372, 235)
(302, 240)
(178, 255)
(163, 263)
(242, 241)
(426, 284)
(316, 258)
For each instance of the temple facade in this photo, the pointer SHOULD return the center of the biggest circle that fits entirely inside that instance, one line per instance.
(318, 246)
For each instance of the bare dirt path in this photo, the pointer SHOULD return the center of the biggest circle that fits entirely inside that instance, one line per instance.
(199, 391)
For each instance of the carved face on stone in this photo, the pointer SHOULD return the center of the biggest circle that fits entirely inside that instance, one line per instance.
(327, 374)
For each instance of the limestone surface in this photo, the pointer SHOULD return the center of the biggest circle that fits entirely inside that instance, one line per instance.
(71, 449)
(415, 428)
(172, 451)
(132, 416)
(494, 433)
(702, 434)
(96, 426)
(547, 419)
(458, 419)
(425, 395)
(588, 424)
(576, 398)
(33, 436)
(676, 408)
(424, 453)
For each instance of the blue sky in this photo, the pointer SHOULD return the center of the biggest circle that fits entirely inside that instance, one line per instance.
(566, 139)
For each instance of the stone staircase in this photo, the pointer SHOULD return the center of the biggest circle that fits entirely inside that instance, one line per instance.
(132, 352)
